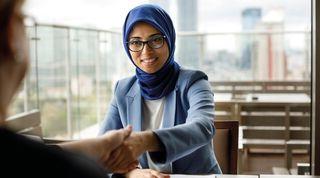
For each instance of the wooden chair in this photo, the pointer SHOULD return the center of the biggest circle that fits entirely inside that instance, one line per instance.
(225, 111)
(225, 144)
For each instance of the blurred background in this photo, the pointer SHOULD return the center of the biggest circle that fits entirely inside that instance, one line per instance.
(77, 54)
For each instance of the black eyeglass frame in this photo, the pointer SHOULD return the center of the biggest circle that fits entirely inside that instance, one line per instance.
(147, 42)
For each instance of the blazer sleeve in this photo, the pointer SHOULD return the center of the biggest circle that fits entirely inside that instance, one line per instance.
(112, 119)
(197, 131)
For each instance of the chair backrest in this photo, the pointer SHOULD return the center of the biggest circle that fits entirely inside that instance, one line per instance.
(224, 111)
(26, 123)
(225, 144)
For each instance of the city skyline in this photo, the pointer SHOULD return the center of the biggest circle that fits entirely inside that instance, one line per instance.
(212, 15)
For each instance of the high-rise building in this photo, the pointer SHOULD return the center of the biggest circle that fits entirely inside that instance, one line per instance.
(188, 47)
(270, 60)
(250, 18)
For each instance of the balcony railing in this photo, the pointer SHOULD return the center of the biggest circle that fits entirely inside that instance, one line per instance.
(73, 70)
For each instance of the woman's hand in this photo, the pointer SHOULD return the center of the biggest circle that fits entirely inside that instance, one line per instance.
(131, 149)
(145, 173)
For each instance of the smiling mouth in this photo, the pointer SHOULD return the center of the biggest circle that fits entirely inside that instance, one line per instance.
(149, 61)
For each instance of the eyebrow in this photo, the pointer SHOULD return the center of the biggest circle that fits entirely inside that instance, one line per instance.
(136, 37)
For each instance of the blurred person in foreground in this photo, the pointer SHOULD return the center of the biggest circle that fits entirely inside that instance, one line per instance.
(170, 108)
(22, 157)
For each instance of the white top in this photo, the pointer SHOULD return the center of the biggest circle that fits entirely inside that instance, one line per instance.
(152, 111)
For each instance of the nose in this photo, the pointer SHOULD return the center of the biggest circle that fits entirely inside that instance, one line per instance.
(146, 48)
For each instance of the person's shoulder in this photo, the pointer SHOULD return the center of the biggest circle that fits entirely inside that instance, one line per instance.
(124, 85)
(127, 80)
(189, 76)
(33, 155)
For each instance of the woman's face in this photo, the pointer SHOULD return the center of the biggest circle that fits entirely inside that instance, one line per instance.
(148, 59)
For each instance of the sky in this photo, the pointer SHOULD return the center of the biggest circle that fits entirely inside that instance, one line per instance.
(227, 14)
(105, 14)
(213, 15)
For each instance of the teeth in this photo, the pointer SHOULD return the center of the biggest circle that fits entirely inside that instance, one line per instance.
(149, 60)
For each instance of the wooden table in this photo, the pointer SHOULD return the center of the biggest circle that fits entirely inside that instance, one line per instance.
(287, 176)
(241, 176)
(264, 98)
(192, 176)
(236, 176)
(213, 176)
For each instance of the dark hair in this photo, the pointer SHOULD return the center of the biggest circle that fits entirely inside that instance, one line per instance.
(7, 8)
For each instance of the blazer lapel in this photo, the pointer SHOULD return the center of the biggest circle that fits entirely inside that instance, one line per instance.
(134, 115)
(170, 109)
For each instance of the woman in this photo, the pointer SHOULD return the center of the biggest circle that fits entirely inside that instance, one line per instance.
(21, 157)
(170, 108)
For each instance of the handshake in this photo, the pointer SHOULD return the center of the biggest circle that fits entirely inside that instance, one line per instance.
(120, 149)
(117, 150)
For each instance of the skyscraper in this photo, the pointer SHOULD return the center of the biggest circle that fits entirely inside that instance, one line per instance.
(270, 61)
(250, 18)
(188, 48)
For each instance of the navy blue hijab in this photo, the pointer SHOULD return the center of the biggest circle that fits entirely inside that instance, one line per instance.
(159, 84)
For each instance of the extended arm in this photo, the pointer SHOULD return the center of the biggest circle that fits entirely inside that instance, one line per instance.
(198, 130)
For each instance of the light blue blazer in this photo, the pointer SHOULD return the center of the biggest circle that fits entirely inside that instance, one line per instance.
(187, 126)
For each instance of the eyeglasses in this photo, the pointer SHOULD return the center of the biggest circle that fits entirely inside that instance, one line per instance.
(155, 42)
